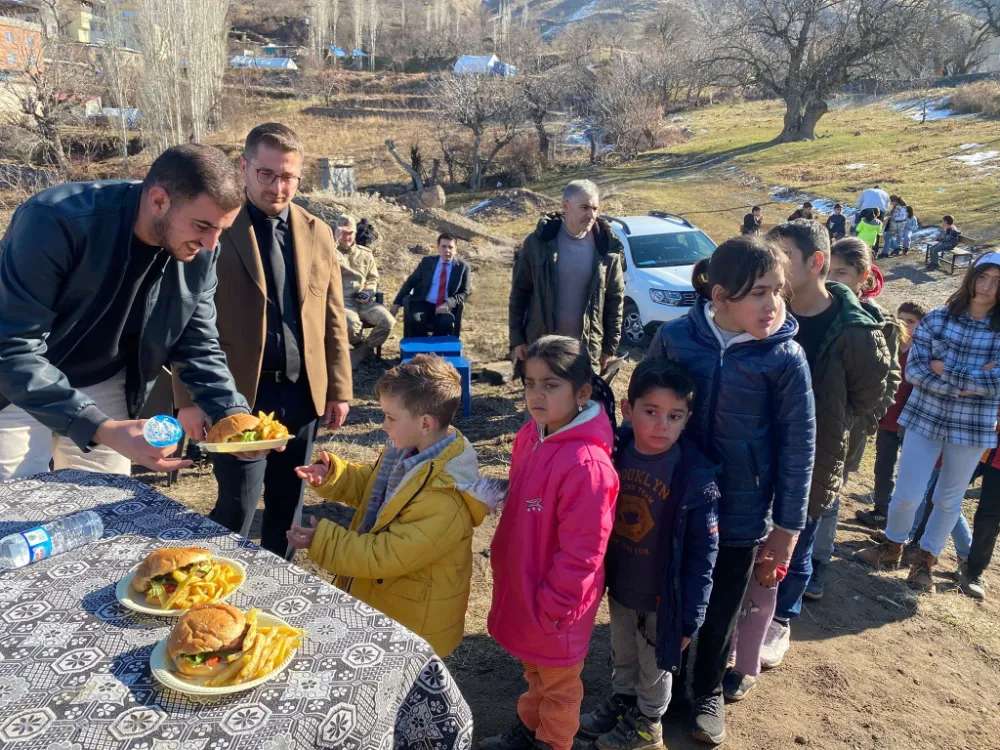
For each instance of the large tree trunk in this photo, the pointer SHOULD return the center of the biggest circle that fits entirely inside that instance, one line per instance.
(543, 137)
(475, 170)
(800, 120)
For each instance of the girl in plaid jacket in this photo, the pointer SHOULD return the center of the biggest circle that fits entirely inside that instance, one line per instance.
(952, 413)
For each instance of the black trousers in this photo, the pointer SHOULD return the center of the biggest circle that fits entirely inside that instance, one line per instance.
(887, 445)
(241, 480)
(425, 320)
(986, 524)
(733, 569)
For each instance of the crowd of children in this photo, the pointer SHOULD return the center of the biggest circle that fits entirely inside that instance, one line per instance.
(711, 513)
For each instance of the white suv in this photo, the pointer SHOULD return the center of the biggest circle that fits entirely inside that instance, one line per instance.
(660, 252)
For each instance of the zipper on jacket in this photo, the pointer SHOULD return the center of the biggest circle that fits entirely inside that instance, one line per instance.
(716, 381)
(753, 465)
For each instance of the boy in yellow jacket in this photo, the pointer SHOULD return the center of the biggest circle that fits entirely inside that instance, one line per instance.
(408, 552)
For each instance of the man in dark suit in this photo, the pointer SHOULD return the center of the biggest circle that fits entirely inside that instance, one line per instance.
(283, 328)
(437, 290)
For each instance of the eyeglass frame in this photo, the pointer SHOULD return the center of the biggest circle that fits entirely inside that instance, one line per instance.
(286, 178)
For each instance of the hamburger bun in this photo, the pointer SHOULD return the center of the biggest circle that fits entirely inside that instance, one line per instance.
(163, 561)
(230, 426)
(203, 629)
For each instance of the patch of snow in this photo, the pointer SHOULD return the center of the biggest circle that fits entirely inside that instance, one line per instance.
(702, 130)
(477, 208)
(860, 165)
(583, 12)
(977, 158)
(941, 190)
(936, 110)
(967, 146)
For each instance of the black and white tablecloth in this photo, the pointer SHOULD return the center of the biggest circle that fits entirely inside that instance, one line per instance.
(74, 663)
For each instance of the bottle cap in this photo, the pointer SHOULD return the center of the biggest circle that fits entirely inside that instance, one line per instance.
(162, 431)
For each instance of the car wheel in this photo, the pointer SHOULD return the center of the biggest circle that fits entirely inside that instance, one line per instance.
(632, 328)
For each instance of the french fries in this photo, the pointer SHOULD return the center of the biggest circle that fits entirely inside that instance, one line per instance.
(269, 428)
(198, 588)
(265, 648)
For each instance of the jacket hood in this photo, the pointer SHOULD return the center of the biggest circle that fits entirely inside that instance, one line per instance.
(606, 240)
(705, 325)
(852, 313)
(458, 468)
(588, 426)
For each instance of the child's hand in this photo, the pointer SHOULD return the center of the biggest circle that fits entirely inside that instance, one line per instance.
(300, 537)
(766, 572)
(316, 473)
(779, 546)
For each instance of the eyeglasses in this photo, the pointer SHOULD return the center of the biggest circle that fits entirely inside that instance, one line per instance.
(268, 176)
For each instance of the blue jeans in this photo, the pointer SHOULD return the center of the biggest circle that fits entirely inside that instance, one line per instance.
(800, 571)
(826, 533)
(961, 535)
(916, 464)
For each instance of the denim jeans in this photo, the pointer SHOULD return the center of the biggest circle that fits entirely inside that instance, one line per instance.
(800, 570)
(961, 535)
(916, 464)
(826, 533)
(904, 238)
(935, 252)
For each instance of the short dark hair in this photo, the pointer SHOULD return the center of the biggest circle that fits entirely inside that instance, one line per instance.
(425, 384)
(807, 204)
(807, 235)
(837, 205)
(275, 135)
(191, 170)
(446, 236)
(911, 307)
(661, 373)
(949, 219)
(755, 208)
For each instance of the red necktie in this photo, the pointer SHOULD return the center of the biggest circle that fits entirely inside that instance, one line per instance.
(442, 284)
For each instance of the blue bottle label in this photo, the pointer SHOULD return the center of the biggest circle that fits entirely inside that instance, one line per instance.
(39, 543)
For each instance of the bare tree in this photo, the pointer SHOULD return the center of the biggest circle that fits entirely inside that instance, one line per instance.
(619, 107)
(119, 65)
(488, 107)
(373, 26)
(804, 51)
(46, 89)
(987, 11)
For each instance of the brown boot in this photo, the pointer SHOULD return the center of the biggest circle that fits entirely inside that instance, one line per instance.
(912, 554)
(882, 556)
(920, 576)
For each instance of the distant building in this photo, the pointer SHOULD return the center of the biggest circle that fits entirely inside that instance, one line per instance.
(992, 62)
(263, 63)
(283, 50)
(20, 45)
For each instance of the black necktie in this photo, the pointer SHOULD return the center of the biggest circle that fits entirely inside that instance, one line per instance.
(286, 304)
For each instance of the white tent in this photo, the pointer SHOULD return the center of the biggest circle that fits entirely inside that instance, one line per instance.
(476, 65)
(265, 63)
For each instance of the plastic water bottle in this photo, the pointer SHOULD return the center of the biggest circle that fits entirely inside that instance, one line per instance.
(162, 431)
(56, 537)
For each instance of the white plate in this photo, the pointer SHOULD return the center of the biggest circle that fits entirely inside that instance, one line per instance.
(129, 597)
(164, 672)
(259, 445)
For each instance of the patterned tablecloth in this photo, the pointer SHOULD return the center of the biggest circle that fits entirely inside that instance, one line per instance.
(74, 663)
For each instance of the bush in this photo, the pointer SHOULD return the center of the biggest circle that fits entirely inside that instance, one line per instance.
(977, 98)
(520, 163)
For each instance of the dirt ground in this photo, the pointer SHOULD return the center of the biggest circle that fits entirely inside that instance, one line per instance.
(871, 666)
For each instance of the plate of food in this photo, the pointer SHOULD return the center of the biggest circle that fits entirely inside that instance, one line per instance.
(172, 580)
(216, 649)
(241, 433)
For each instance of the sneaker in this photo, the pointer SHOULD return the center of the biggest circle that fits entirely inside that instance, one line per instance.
(885, 555)
(515, 737)
(921, 573)
(736, 687)
(776, 643)
(814, 589)
(634, 732)
(604, 718)
(709, 721)
(972, 586)
(873, 519)
(932, 267)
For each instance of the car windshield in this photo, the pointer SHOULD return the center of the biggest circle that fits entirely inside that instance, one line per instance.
(664, 250)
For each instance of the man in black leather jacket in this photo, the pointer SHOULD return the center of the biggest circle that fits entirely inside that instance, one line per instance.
(102, 284)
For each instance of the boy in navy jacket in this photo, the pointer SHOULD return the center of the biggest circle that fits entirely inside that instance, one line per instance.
(660, 556)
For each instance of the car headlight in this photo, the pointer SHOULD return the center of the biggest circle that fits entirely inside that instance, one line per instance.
(666, 297)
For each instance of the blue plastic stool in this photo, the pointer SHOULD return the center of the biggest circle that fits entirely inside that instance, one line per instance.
(443, 346)
(464, 368)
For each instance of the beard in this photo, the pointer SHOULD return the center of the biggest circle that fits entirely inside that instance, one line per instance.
(161, 236)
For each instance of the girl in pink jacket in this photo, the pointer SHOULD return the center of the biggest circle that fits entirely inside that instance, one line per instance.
(548, 551)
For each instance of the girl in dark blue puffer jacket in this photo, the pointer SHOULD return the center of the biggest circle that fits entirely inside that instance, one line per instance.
(754, 414)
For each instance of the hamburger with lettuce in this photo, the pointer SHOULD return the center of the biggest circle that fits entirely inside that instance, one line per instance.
(205, 638)
(155, 576)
